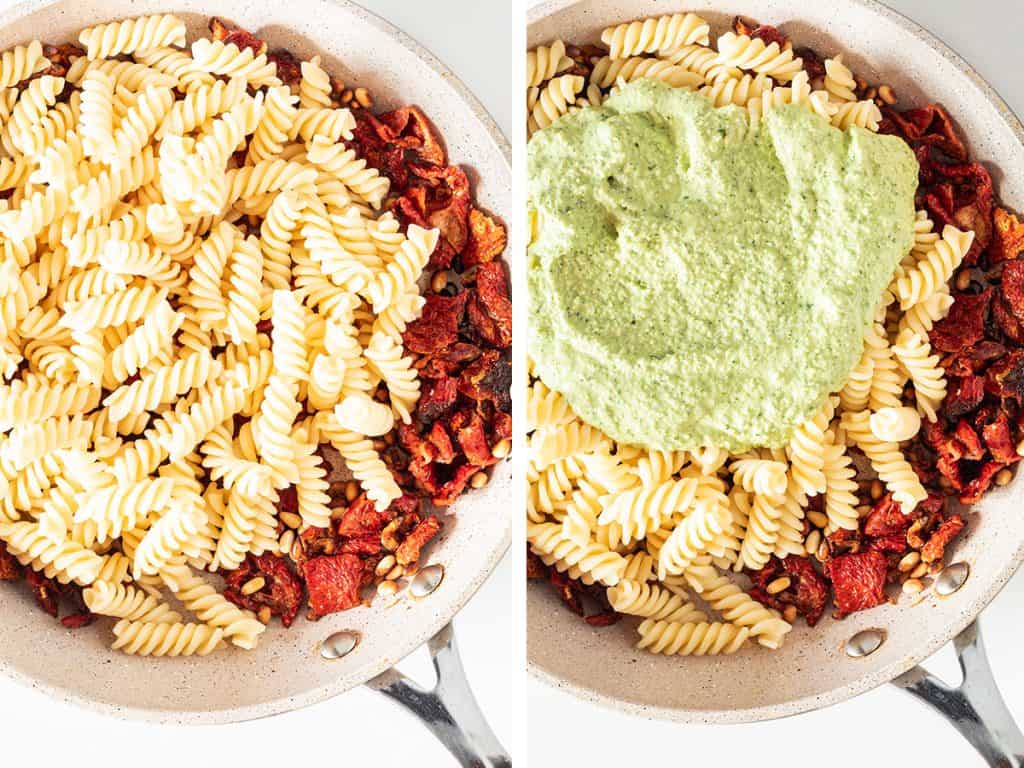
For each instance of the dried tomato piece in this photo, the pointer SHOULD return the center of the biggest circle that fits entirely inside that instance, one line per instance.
(362, 518)
(1005, 377)
(450, 490)
(1008, 236)
(45, 591)
(568, 590)
(965, 323)
(333, 583)
(948, 529)
(289, 69)
(535, 568)
(438, 437)
(438, 399)
(489, 378)
(1006, 320)
(972, 491)
(492, 291)
(603, 618)
(240, 37)
(438, 324)
(1012, 288)
(60, 57)
(858, 580)
(929, 125)
(964, 397)
(969, 441)
(999, 441)
(886, 518)
(472, 438)
(282, 590)
(487, 239)
(77, 620)
(894, 542)
(411, 128)
(811, 589)
(368, 544)
(409, 550)
(770, 35)
(813, 64)
(10, 568)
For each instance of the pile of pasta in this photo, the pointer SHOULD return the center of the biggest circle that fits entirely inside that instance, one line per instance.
(663, 530)
(185, 240)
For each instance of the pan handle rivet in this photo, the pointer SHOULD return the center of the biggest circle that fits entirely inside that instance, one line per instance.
(427, 580)
(339, 644)
(865, 642)
(951, 578)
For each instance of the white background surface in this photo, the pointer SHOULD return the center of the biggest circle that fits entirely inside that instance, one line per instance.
(360, 728)
(884, 727)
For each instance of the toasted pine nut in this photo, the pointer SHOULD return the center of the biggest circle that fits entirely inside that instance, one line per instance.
(818, 519)
(1004, 476)
(909, 560)
(385, 565)
(253, 585)
(912, 586)
(479, 480)
(351, 490)
(823, 551)
(877, 489)
(363, 97)
(789, 613)
(501, 449)
(921, 569)
(886, 94)
(439, 281)
(387, 588)
(290, 519)
(263, 614)
(963, 280)
(778, 585)
(286, 541)
(396, 573)
(813, 542)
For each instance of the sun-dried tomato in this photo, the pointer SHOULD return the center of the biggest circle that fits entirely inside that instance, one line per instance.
(814, 66)
(44, 590)
(438, 437)
(362, 518)
(10, 568)
(451, 489)
(438, 399)
(535, 568)
(969, 441)
(858, 580)
(412, 129)
(886, 518)
(492, 292)
(60, 58)
(289, 69)
(965, 323)
(972, 491)
(948, 529)
(1005, 377)
(409, 550)
(487, 239)
(240, 37)
(964, 396)
(1007, 236)
(77, 620)
(929, 125)
(469, 431)
(333, 583)
(438, 324)
(895, 543)
(489, 378)
(368, 544)
(770, 35)
(811, 589)
(999, 441)
(281, 592)
(1006, 320)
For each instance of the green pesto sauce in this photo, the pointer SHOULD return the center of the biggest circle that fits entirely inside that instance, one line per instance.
(696, 281)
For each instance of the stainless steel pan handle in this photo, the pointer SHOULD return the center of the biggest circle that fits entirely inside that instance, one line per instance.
(449, 710)
(975, 708)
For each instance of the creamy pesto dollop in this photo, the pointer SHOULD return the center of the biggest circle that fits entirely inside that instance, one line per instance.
(698, 281)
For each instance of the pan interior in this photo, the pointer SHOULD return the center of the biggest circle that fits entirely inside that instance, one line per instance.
(286, 671)
(811, 670)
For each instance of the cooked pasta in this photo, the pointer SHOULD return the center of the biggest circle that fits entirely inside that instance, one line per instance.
(927, 375)
(691, 639)
(662, 35)
(544, 62)
(141, 34)
(752, 53)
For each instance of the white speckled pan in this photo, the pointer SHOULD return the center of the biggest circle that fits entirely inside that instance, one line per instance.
(286, 671)
(812, 669)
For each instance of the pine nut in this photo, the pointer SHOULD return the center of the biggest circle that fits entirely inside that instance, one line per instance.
(351, 490)
(863, 510)
(253, 585)
(912, 586)
(909, 560)
(870, 93)
(501, 449)
(813, 542)
(823, 551)
(396, 573)
(439, 281)
(877, 489)
(1004, 476)
(296, 553)
(263, 614)
(789, 613)
(778, 585)
(385, 565)
(886, 94)
(290, 519)
(286, 541)
(479, 480)
(921, 569)
(387, 588)
(818, 519)
(363, 97)
(963, 280)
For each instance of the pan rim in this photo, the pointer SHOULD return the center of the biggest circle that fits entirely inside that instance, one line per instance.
(933, 643)
(283, 704)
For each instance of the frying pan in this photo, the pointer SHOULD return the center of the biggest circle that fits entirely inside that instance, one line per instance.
(815, 667)
(288, 669)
